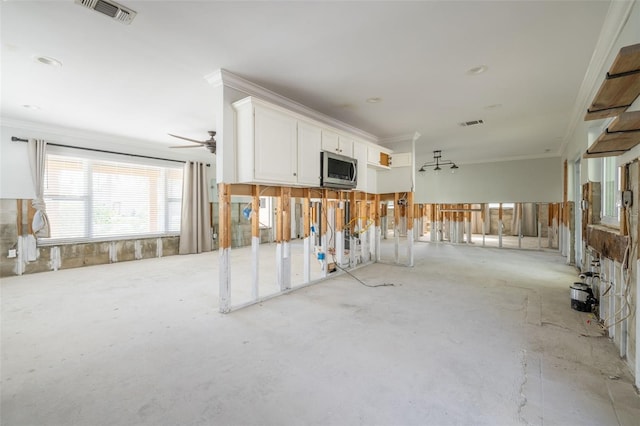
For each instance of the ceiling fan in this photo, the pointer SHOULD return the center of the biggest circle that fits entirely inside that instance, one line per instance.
(210, 143)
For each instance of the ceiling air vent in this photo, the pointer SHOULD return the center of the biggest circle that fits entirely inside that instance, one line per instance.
(471, 123)
(110, 8)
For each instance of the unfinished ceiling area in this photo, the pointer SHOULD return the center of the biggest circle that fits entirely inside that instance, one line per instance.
(389, 68)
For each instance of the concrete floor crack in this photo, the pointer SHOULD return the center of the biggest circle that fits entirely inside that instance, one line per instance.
(523, 397)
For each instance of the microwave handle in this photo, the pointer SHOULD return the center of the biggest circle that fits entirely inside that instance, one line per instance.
(355, 172)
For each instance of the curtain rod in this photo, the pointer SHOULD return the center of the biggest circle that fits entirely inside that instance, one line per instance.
(16, 139)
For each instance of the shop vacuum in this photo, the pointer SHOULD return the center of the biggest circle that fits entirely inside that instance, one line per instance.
(582, 298)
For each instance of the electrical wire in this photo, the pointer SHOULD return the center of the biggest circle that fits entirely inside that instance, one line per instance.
(333, 256)
(358, 279)
(629, 253)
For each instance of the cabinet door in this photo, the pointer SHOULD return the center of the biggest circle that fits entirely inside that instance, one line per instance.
(373, 155)
(402, 159)
(275, 146)
(330, 141)
(345, 146)
(360, 154)
(309, 145)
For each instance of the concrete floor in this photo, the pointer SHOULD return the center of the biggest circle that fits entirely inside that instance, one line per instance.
(469, 336)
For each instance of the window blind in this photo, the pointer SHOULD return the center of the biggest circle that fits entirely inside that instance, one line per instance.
(97, 199)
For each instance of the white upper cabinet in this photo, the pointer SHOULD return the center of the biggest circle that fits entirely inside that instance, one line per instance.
(276, 153)
(266, 144)
(281, 147)
(377, 158)
(309, 147)
(360, 154)
(401, 159)
(339, 144)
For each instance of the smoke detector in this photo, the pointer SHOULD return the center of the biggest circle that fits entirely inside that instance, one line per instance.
(470, 123)
(110, 8)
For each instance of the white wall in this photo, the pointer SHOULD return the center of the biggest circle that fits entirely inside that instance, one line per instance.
(580, 139)
(15, 174)
(536, 180)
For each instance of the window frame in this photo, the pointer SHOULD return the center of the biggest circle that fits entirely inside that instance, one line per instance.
(89, 159)
(610, 202)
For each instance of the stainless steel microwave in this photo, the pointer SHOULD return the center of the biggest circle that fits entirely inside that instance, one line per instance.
(338, 171)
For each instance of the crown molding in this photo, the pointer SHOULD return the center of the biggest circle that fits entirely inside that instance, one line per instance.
(397, 139)
(614, 23)
(222, 77)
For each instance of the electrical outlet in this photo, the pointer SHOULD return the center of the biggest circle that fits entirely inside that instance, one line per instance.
(627, 198)
(215, 236)
(12, 253)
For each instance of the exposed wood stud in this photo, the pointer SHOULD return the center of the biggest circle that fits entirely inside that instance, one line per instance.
(224, 215)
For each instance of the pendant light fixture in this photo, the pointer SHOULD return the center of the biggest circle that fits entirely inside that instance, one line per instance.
(437, 162)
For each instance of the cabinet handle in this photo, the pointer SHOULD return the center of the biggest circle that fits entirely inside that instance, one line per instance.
(294, 174)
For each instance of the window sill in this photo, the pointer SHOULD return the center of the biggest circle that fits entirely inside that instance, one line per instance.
(48, 242)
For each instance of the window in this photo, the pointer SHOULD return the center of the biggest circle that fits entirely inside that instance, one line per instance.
(497, 205)
(98, 199)
(610, 214)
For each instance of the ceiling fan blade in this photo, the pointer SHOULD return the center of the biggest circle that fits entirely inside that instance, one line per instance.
(186, 146)
(186, 139)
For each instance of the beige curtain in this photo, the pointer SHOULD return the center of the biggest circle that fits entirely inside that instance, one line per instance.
(195, 226)
(37, 149)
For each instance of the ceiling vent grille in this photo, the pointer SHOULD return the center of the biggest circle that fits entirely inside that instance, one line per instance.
(471, 123)
(109, 8)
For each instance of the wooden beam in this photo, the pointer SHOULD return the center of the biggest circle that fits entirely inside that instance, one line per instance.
(306, 213)
(19, 216)
(410, 210)
(285, 199)
(624, 174)
(353, 211)
(376, 210)
(224, 215)
(396, 210)
(224, 247)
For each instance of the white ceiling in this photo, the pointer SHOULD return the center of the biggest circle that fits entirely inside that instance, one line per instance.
(146, 79)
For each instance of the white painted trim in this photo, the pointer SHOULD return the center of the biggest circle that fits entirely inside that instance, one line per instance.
(410, 260)
(286, 266)
(339, 248)
(255, 268)
(224, 278)
(307, 260)
(378, 242)
(229, 79)
(396, 242)
(614, 23)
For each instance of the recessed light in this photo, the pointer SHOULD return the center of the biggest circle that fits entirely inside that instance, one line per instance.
(46, 60)
(374, 100)
(477, 70)
(32, 107)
